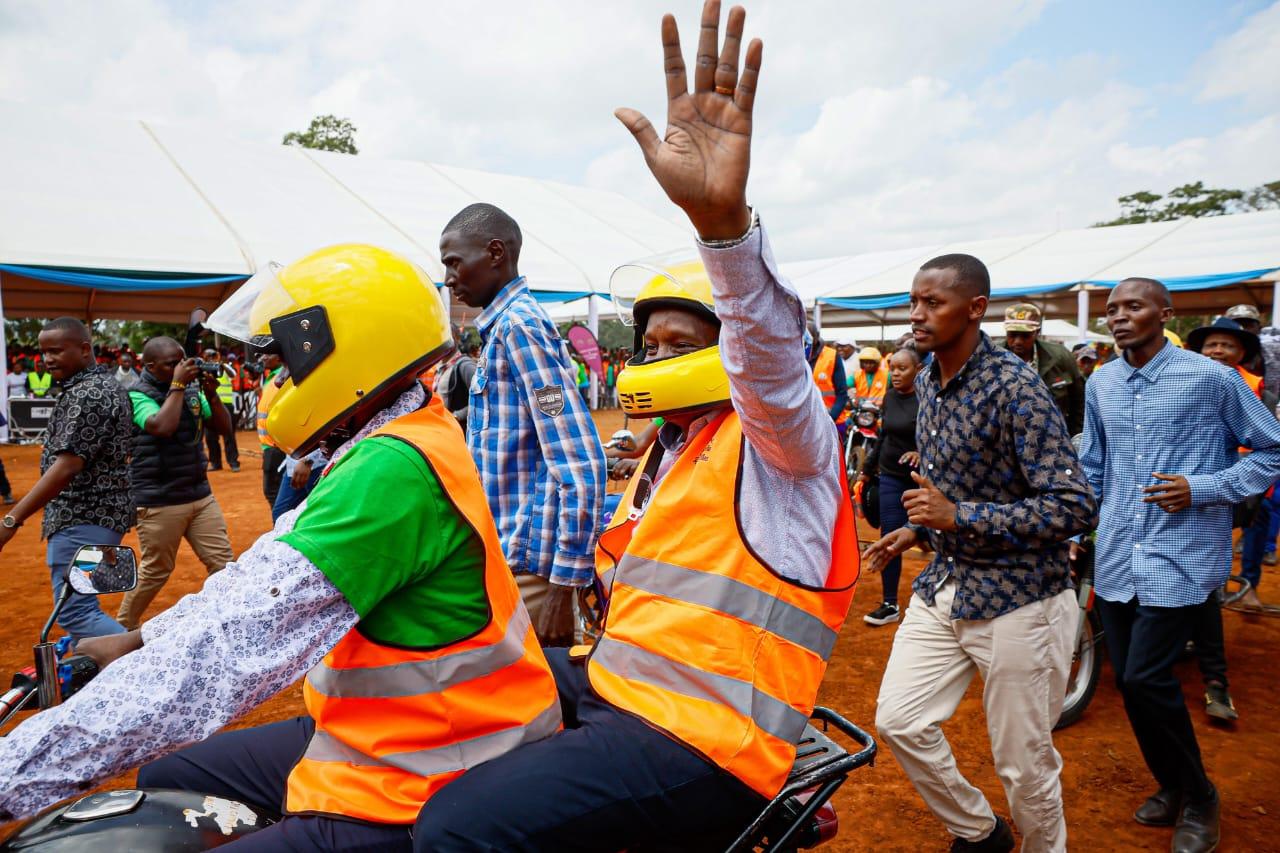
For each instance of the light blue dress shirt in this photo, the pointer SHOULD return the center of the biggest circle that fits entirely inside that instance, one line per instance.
(1181, 413)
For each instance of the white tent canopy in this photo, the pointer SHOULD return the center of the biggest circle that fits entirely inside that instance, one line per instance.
(115, 195)
(1055, 330)
(1218, 259)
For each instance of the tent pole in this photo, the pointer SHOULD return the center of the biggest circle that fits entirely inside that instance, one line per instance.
(593, 323)
(1275, 302)
(4, 369)
(1082, 313)
(817, 316)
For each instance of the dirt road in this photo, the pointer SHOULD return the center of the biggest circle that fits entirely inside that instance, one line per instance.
(1104, 778)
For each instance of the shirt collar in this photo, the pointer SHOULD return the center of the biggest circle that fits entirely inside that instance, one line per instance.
(1152, 369)
(91, 370)
(510, 292)
(981, 351)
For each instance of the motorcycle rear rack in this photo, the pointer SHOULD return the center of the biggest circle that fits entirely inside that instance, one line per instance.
(821, 763)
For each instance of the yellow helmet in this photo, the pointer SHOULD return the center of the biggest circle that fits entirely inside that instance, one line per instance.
(869, 354)
(354, 326)
(681, 383)
(1173, 338)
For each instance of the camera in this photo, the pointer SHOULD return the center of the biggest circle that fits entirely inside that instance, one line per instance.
(208, 368)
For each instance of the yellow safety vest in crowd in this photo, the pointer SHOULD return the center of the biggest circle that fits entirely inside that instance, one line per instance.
(395, 725)
(265, 396)
(703, 640)
(226, 393)
(824, 374)
(40, 385)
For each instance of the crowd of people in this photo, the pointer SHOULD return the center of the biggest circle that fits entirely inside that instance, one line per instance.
(438, 504)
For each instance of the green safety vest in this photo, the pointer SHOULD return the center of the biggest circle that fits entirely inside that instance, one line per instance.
(225, 392)
(40, 385)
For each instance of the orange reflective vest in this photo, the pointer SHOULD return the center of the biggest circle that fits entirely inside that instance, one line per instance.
(395, 725)
(1253, 380)
(703, 640)
(873, 387)
(824, 373)
(265, 396)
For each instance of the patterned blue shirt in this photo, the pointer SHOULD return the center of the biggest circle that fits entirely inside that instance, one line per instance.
(994, 442)
(534, 442)
(1181, 413)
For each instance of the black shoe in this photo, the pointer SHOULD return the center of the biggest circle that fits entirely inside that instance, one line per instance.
(1160, 809)
(215, 467)
(235, 467)
(999, 841)
(1218, 704)
(1197, 830)
(9, 499)
(885, 614)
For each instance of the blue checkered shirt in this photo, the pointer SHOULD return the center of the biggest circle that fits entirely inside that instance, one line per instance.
(1181, 413)
(534, 442)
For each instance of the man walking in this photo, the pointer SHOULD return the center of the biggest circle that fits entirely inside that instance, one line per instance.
(170, 487)
(532, 437)
(227, 395)
(998, 494)
(1170, 421)
(84, 482)
(1049, 359)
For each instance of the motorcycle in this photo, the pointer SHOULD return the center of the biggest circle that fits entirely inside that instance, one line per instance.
(145, 821)
(164, 821)
(861, 436)
(1086, 656)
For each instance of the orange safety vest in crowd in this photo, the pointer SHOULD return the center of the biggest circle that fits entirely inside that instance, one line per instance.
(874, 387)
(1253, 380)
(824, 377)
(265, 398)
(395, 725)
(703, 640)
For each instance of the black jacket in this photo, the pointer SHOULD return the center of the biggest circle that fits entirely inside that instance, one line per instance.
(169, 471)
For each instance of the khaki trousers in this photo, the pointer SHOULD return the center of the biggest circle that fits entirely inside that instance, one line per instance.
(160, 529)
(1024, 658)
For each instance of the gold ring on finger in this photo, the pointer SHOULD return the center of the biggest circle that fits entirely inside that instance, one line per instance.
(724, 90)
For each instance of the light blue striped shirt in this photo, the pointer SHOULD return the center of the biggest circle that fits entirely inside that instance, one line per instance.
(1181, 413)
(534, 441)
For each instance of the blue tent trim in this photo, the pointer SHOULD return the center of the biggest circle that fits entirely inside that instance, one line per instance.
(1175, 284)
(119, 282)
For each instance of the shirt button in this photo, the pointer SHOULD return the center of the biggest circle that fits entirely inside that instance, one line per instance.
(1137, 396)
(1068, 471)
(934, 432)
(1138, 545)
(1139, 455)
(1137, 426)
(930, 466)
(951, 559)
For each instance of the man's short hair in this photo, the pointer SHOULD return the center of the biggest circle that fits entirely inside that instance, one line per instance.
(1157, 288)
(69, 326)
(488, 222)
(971, 273)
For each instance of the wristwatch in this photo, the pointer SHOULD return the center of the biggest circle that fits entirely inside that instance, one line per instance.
(10, 522)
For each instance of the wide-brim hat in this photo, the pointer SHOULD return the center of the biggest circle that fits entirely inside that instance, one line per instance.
(1248, 340)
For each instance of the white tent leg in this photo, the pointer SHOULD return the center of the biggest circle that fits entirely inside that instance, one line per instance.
(1275, 304)
(1082, 313)
(593, 323)
(4, 371)
(817, 316)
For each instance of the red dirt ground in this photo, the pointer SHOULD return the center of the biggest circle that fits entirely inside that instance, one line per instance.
(1104, 777)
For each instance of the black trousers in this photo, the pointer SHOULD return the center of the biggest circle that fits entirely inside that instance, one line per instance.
(5, 489)
(608, 782)
(215, 452)
(272, 459)
(1145, 643)
(1211, 645)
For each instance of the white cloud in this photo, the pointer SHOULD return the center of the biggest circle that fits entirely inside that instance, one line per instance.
(1244, 64)
(878, 125)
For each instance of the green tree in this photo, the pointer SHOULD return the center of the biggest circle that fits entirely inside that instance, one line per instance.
(326, 133)
(1193, 200)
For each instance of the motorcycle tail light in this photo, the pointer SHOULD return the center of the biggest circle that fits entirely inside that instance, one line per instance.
(828, 823)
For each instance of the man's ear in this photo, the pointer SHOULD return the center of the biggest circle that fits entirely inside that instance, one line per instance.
(978, 307)
(497, 252)
(1166, 314)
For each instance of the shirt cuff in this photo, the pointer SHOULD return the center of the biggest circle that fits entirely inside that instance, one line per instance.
(1204, 489)
(572, 569)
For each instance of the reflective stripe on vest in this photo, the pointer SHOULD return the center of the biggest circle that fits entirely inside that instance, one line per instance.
(393, 725)
(265, 398)
(824, 375)
(700, 638)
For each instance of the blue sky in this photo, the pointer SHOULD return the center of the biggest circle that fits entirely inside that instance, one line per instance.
(879, 126)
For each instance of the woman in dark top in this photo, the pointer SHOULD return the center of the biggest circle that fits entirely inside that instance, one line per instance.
(893, 458)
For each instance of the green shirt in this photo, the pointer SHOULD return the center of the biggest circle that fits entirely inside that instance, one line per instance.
(383, 531)
(144, 407)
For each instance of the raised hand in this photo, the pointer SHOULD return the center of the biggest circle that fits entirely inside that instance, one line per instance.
(703, 160)
(927, 506)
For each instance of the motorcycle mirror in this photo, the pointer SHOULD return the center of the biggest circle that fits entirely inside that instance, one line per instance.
(103, 569)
